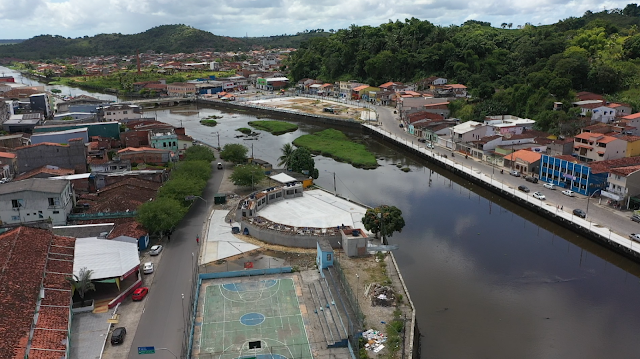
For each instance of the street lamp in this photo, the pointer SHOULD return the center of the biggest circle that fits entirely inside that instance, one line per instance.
(193, 197)
(167, 349)
(594, 192)
(357, 287)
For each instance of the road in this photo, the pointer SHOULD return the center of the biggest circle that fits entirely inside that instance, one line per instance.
(618, 221)
(162, 321)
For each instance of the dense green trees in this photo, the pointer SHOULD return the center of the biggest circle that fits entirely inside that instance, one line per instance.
(383, 220)
(234, 152)
(519, 72)
(199, 153)
(247, 175)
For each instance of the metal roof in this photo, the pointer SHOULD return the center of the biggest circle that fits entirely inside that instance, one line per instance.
(33, 184)
(283, 178)
(106, 258)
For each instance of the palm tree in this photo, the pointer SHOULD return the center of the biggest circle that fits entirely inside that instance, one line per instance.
(285, 159)
(82, 283)
(504, 24)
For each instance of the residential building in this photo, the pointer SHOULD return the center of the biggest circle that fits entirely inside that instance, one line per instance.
(72, 155)
(560, 146)
(9, 164)
(272, 83)
(45, 172)
(36, 300)
(14, 141)
(146, 155)
(102, 129)
(81, 103)
(623, 181)
(468, 131)
(25, 122)
(346, 88)
(166, 139)
(181, 89)
(40, 103)
(508, 124)
(35, 200)
(121, 112)
(525, 161)
(569, 173)
(61, 137)
(111, 166)
(592, 146)
(441, 108)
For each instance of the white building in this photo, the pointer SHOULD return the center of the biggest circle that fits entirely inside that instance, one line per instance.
(36, 199)
(468, 131)
(504, 124)
(118, 112)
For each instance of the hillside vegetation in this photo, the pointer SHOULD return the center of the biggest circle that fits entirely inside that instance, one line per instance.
(519, 70)
(161, 39)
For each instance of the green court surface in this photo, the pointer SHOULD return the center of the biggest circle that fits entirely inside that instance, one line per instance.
(258, 319)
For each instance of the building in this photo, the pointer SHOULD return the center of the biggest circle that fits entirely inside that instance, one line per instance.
(72, 155)
(119, 112)
(25, 122)
(36, 200)
(567, 172)
(593, 146)
(80, 103)
(61, 136)
(508, 124)
(146, 155)
(40, 103)
(45, 172)
(623, 181)
(102, 129)
(166, 139)
(524, 161)
(181, 89)
(36, 296)
(272, 83)
(468, 131)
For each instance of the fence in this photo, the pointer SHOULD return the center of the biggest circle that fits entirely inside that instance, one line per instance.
(354, 326)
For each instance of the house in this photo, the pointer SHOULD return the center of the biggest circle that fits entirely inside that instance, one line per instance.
(36, 300)
(452, 90)
(166, 139)
(525, 161)
(181, 89)
(593, 146)
(623, 181)
(146, 155)
(410, 104)
(102, 129)
(560, 146)
(36, 200)
(40, 103)
(432, 83)
(72, 155)
(9, 142)
(346, 88)
(468, 131)
(569, 173)
(61, 136)
(121, 112)
(100, 180)
(25, 122)
(121, 197)
(45, 172)
(272, 83)
(111, 166)
(10, 161)
(508, 124)
(441, 108)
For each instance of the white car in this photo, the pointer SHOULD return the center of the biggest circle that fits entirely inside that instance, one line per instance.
(635, 237)
(155, 250)
(569, 193)
(429, 145)
(549, 186)
(539, 196)
(147, 268)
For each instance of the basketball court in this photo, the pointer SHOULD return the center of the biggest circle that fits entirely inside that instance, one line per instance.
(252, 318)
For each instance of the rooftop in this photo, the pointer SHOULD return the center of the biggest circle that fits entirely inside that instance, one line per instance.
(107, 259)
(35, 185)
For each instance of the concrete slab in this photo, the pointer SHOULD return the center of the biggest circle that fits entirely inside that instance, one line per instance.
(316, 208)
(88, 334)
(220, 243)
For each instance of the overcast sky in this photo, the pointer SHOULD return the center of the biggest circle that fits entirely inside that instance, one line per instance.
(21, 19)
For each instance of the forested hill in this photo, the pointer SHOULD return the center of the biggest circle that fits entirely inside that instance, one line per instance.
(518, 70)
(165, 38)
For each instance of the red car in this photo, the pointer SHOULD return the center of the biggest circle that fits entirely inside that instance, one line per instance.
(140, 293)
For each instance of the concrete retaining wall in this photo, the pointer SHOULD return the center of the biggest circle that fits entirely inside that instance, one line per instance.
(288, 240)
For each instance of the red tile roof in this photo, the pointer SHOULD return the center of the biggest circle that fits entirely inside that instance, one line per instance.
(7, 155)
(131, 229)
(608, 165)
(31, 260)
(53, 172)
(524, 155)
(43, 144)
(633, 116)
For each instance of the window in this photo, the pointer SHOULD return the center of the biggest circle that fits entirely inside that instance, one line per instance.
(54, 201)
(56, 212)
(17, 203)
(15, 218)
(40, 215)
(328, 256)
(124, 112)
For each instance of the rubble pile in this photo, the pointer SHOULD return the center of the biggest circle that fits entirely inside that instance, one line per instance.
(381, 296)
(374, 340)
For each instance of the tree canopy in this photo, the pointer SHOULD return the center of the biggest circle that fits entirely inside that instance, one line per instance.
(301, 161)
(161, 214)
(234, 152)
(383, 220)
(199, 153)
(247, 175)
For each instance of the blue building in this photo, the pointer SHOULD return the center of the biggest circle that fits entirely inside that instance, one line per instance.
(324, 256)
(569, 173)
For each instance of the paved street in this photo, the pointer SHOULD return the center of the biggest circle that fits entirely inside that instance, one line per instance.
(162, 321)
(618, 221)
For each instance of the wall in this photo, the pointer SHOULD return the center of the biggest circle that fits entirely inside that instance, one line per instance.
(287, 240)
(36, 207)
(102, 129)
(56, 137)
(73, 156)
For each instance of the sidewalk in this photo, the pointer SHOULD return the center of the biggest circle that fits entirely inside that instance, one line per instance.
(218, 241)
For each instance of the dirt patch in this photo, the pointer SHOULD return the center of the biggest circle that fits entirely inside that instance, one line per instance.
(317, 107)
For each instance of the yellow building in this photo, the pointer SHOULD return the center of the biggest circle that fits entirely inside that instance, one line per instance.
(633, 145)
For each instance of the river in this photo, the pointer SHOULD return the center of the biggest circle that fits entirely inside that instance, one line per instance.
(489, 279)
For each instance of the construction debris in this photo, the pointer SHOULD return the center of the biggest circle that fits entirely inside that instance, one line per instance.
(374, 340)
(381, 296)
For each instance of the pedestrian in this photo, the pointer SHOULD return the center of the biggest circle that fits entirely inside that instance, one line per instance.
(561, 208)
(198, 239)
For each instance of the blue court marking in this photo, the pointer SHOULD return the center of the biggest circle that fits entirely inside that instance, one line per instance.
(252, 319)
(263, 356)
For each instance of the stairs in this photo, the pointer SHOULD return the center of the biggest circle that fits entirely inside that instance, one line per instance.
(327, 310)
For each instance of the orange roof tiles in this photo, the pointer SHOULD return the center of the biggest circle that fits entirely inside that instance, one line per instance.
(360, 87)
(632, 116)
(7, 155)
(524, 155)
(54, 172)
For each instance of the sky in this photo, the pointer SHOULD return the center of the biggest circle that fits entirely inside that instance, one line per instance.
(22, 19)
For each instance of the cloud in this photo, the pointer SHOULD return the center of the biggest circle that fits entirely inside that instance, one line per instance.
(76, 18)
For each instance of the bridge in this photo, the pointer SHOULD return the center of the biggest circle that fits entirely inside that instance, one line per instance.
(163, 101)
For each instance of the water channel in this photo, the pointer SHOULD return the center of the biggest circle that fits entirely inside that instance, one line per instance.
(489, 279)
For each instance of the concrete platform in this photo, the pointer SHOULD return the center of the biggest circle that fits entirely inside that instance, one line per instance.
(220, 242)
(316, 208)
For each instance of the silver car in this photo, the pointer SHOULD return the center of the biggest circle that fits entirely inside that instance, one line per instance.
(155, 250)
(568, 192)
(147, 268)
(539, 195)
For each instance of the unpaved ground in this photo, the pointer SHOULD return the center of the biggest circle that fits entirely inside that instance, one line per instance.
(317, 107)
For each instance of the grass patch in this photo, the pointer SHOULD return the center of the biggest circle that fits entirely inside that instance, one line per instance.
(274, 127)
(335, 144)
(244, 130)
(209, 123)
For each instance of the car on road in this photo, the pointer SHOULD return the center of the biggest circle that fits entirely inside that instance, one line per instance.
(524, 189)
(580, 213)
(220, 165)
(636, 218)
(155, 250)
(430, 145)
(569, 193)
(514, 173)
(147, 268)
(635, 236)
(401, 125)
(117, 337)
(539, 195)
(422, 140)
(531, 179)
(549, 186)
(140, 293)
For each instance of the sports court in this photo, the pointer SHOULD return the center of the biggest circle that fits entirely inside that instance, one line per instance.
(252, 318)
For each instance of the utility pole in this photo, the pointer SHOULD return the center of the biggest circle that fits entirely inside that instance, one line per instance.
(252, 150)
(335, 191)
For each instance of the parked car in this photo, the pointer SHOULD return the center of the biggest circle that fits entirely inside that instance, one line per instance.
(539, 195)
(220, 165)
(401, 125)
(514, 173)
(635, 218)
(524, 189)
(430, 145)
(422, 140)
(140, 293)
(569, 193)
(117, 337)
(155, 250)
(549, 186)
(580, 213)
(531, 179)
(635, 236)
(147, 268)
